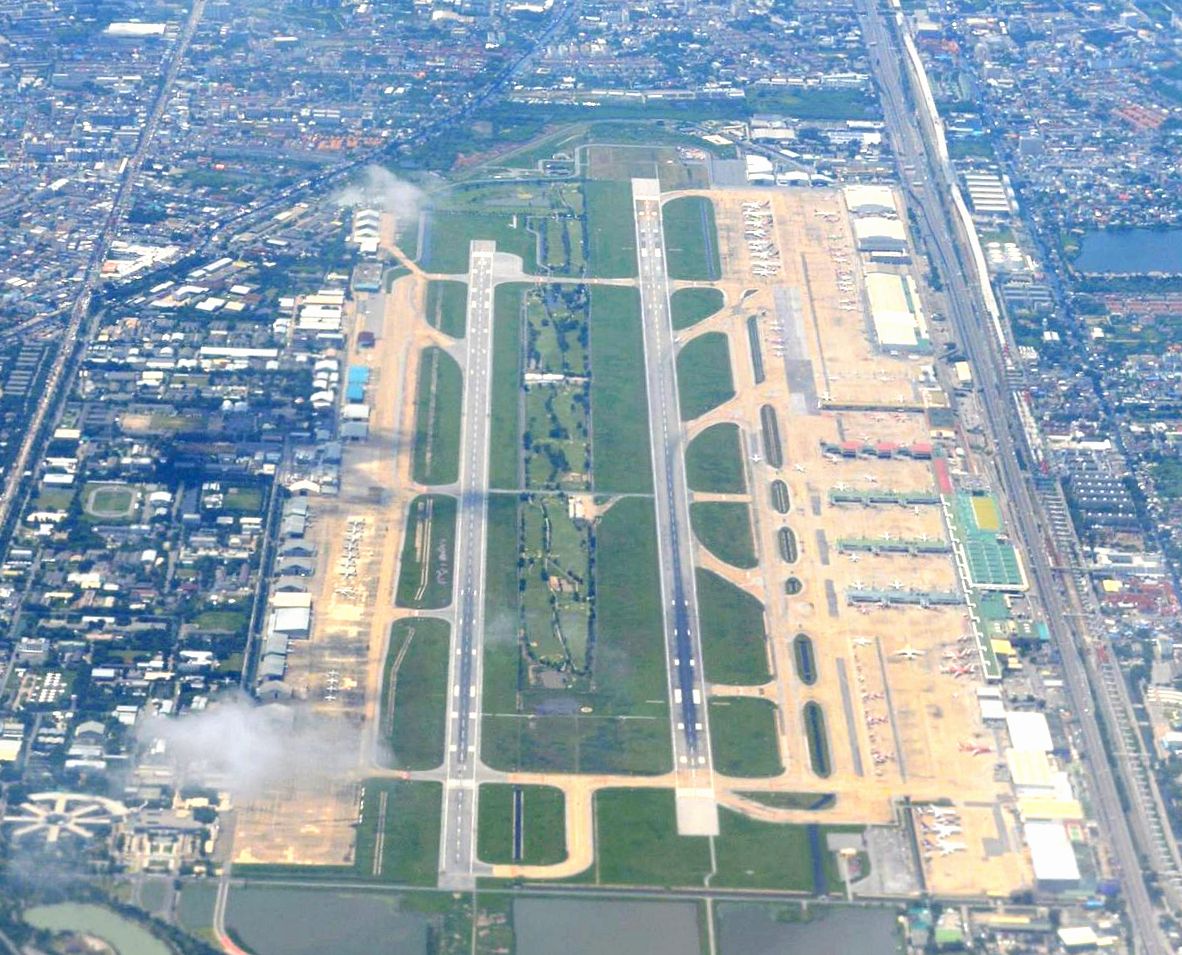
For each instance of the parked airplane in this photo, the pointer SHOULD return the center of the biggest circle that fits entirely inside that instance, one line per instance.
(977, 749)
(909, 653)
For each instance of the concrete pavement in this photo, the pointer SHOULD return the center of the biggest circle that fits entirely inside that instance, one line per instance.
(458, 865)
(697, 812)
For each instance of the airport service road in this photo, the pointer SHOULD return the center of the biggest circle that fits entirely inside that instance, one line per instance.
(458, 866)
(697, 813)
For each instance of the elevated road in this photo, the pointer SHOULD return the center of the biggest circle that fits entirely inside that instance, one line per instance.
(697, 812)
(458, 866)
(931, 182)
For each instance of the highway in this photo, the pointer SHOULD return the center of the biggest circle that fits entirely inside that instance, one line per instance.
(931, 185)
(691, 738)
(458, 866)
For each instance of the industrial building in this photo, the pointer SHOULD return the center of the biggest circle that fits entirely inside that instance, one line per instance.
(896, 312)
(870, 200)
(880, 234)
(987, 194)
(1052, 856)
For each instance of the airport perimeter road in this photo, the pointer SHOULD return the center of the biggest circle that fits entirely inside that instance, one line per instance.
(930, 185)
(697, 812)
(458, 866)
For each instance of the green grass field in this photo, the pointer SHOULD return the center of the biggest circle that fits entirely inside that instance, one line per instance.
(626, 729)
(743, 737)
(244, 500)
(449, 232)
(621, 457)
(691, 239)
(425, 577)
(724, 529)
(410, 850)
(763, 855)
(414, 702)
(504, 455)
(543, 825)
(611, 229)
(638, 844)
(814, 104)
(688, 306)
(447, 307)
(704, 379)
(437, 418)
(115, 503)
(734, 641)
(714, 461)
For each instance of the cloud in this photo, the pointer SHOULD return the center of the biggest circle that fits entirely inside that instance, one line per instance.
(247, 749)
(381, 189)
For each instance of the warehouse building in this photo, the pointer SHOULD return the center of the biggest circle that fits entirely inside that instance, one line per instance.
(987, 194)
(1051, 855)
(1029, 731)
(870, 200)
(896, 312)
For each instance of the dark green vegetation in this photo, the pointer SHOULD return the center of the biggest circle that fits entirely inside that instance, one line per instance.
(407, 814)
(806, 659)
(688, 306)
(638, 845)
(691, 239)
(704, 379)
(437, 418)
(743, 737)
(769, 423)
(818, 739)
(543, 434)
(734, 641)
(714, 461)
(611, 229)
(556, 579)
(793, 586)
(786, 539)
(619, 400)
(536, 725)
(756, 351)
(556, 442)
(447, 307)
(414, 693)
(505, 387)
(542, 838)
(724, 528)
(781, 500)
(425, 576)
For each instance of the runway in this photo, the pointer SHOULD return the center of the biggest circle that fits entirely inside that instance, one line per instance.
(458, 866)
(697, 812)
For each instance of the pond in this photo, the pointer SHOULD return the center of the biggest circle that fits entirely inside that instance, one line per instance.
(124, 936)
(605, 927)
(284, 921)
(767, 929)
(1131, 251)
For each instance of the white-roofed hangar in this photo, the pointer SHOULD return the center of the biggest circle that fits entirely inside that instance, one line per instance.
(896, 312)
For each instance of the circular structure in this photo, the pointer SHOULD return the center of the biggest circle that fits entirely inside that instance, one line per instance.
(793, 586)
(50, 814)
